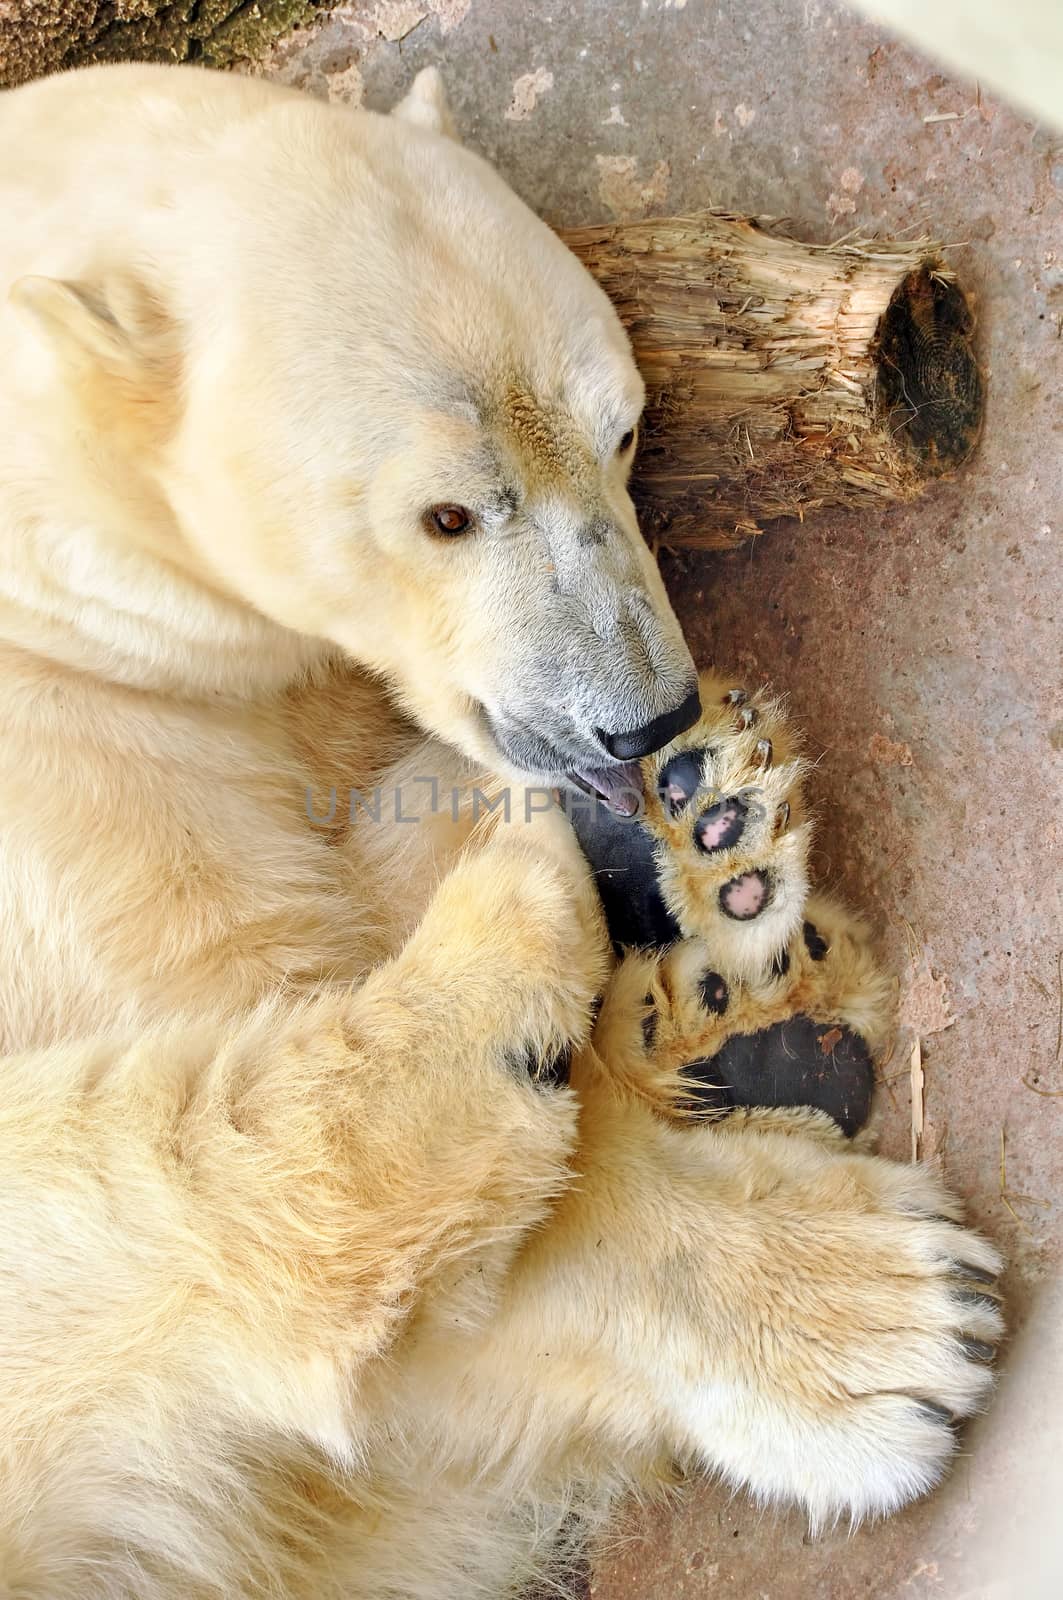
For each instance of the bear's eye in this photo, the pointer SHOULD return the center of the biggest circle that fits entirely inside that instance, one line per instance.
(626, 442)
(450, 520)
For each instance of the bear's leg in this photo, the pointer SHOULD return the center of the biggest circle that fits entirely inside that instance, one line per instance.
(208, 1233)
(753, 1297)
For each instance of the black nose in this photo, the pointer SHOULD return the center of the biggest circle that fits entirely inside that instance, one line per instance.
(652, 735)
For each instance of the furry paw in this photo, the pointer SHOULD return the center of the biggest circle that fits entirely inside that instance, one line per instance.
(512, 953)
(872, 1325)
(719, 848)
(802, 1033)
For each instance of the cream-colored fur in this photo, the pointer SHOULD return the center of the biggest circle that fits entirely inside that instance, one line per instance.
(311, 1283)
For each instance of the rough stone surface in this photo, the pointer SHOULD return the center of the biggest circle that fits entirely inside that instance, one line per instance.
(921, 648)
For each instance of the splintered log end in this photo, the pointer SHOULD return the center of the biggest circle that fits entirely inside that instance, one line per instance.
(930, 386)
(783, 377)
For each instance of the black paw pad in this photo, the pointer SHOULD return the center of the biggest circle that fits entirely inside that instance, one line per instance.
(746, 897)
(550, 1071)
(800, 1063)
(715, 995)
(621, 855)
(680, 779)
(720, 826)
(815, 943)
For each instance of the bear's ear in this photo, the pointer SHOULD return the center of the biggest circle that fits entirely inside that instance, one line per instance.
(78, 325)
(425, 105)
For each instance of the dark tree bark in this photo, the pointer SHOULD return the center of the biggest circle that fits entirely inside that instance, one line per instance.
(42, 36)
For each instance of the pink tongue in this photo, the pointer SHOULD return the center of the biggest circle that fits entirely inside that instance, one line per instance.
(620, 787)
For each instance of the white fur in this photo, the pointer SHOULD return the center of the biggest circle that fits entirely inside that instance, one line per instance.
(307, 1288)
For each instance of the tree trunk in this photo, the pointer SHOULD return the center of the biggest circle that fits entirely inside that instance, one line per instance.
(42, 36)
(782, 377)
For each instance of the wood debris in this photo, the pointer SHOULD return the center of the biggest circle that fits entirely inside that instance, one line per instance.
(915, 1067)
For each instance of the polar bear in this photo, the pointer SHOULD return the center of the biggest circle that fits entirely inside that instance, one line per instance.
(344, 1254)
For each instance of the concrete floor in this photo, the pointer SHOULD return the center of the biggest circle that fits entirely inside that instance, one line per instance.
(920, 648)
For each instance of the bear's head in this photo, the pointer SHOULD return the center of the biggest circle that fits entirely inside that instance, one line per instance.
(360, 388)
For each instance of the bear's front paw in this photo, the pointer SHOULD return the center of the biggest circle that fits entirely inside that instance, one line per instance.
(719, 849)
(801, 1035)
(511, 955)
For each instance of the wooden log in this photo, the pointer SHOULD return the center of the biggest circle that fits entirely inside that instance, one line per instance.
(781, 376)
